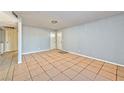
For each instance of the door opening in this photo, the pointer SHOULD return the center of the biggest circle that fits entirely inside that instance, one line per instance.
(59, 40)
(52, 40)
(11, 39)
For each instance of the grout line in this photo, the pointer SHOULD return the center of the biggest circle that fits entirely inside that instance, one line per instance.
(70, 67)
(41, 67)
(52, 57)
(83, 70)
(99, 70)
(9, 68)
(53, 66)
(28, 68)
(13, 73)
(116, 73)
(108, 72)
(56, 68)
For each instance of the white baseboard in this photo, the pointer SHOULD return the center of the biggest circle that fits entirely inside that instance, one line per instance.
(35, 51)
(114, 63)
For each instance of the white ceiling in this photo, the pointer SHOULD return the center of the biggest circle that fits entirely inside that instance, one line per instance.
(7, 19)
(65, 18)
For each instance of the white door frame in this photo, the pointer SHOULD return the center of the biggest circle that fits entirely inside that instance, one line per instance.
(59, 40)
(52, 40)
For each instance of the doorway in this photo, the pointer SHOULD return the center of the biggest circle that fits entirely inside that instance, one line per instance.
(52, 40)
(11, 39)
(59, 40)
(8, 45)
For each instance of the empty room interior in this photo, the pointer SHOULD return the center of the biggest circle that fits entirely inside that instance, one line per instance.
(62, 46)
(8, 45)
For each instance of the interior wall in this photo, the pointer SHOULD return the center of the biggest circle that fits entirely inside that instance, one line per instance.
(35, 39)
(0, 35)
(11, 39)
(2, 38)
(103, 39)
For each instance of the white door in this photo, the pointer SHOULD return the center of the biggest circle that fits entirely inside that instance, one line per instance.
(59, 40)
(11, 40)
(53, 40)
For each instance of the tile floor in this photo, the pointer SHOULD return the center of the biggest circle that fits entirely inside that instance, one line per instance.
(54, 66)
(7, 63)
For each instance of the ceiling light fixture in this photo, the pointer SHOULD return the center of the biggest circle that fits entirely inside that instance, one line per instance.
(54, 21)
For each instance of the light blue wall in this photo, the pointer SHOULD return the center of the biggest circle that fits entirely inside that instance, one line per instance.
(35, 39)
(103, 39)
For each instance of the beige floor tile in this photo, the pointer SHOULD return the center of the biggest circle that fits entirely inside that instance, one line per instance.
(16, 73)
(31, 63)
(83, 65)
(74, 62)
(36, 72)
(93, 69)
(62, 68)
(121, 68)
(47, 67)
(101, 78)
(41, 77)
(79, 59)
(43, 63)
(19, 71)
(111, 70)
(88, 74)
(62, 61)
(76, 68)
(97, 64)
(107, 75)
(33, 67)
(51, 61)
(56, 64)
(120, 78)
(10, 73)
(80, 78)
(3, 74)
(70, 73)
(52, 72)
(22, 77)
(61, 77)
(68, 59)
(120, 73)
(67, 64)
(87, 61)
(20, 66)
(110, 65)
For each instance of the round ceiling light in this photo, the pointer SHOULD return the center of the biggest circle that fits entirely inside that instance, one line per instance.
(54, 21)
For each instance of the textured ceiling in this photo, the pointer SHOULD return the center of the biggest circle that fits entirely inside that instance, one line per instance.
(65, 18)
